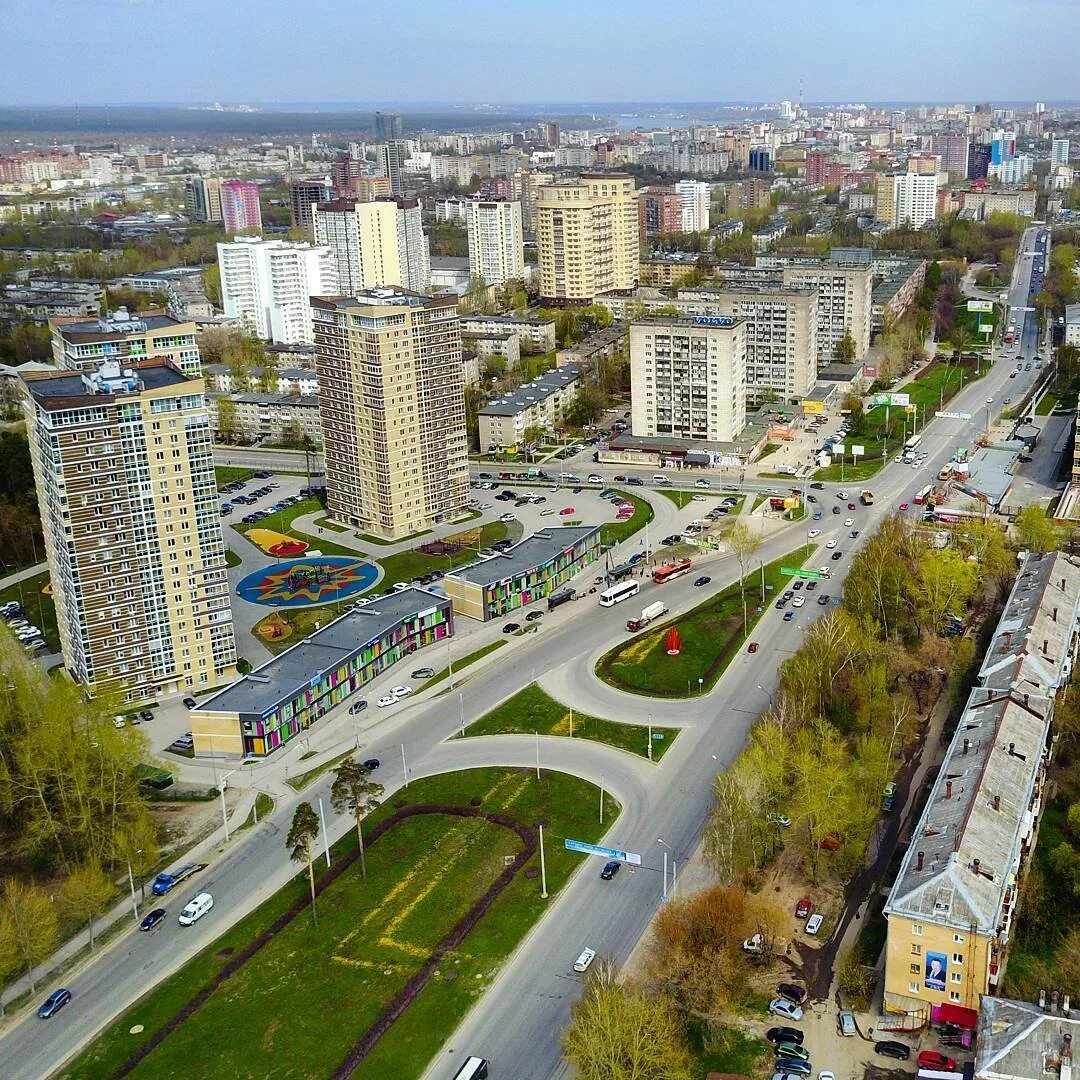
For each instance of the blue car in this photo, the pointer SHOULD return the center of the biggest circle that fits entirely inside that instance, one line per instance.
(54, 1003)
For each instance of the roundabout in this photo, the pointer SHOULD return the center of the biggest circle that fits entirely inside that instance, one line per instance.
(321, 579)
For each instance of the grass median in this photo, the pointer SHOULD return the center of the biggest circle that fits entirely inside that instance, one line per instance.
(373, 936)
(711, 634)
(615, 532)
(464, 662)
(281, 521)
(531, 711)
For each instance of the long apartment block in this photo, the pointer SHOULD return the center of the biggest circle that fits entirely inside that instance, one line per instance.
(84, 344)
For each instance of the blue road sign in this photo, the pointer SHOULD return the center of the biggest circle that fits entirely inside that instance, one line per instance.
(605, 852)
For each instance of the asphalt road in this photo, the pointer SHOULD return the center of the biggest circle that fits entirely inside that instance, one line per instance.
(518, 1021)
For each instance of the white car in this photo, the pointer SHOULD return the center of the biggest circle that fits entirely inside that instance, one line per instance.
(547, 513)
(798, 601)
(697, 498)
(831, 544)
(825, 571)
(783, 1007)
(507, 517)
(594, 479)
(813, 532)
(400, 691)
(383, 702)
(813, 924)
(702, 483)
(848, 522)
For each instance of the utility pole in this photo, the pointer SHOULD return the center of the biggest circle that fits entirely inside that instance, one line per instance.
(543, 867)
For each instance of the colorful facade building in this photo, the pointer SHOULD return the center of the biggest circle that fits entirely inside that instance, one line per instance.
(525, 573)
(262, 711)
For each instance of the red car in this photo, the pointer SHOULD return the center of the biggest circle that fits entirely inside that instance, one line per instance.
(903, 506)
(851, 506)
(803, 908)
(931, 1059)
(753, 647)
(566, 511)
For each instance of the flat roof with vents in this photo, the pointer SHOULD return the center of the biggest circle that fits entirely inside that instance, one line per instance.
(551, 382)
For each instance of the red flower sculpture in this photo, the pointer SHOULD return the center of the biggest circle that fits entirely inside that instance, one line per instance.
(289, 548)
(672, 642)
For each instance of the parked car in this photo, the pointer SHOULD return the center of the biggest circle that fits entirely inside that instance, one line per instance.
(423, 673)
(152, 919)
(53, 1003)
(400, 691)
(566, 511)
(754, 944)
(803, 908)
(610, 870)
(790, 616)
(792, 1050)
(794, 993)
(783, 1007)
(934, 1059)
(845, 1023)
(383, 702)
(784, 1035)
(892, 1048)
(511, 628)
(813, 924)
(533, 616)
(793, 1066)
(190, 703)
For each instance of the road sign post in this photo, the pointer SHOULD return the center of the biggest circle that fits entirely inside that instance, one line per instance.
(606, 852)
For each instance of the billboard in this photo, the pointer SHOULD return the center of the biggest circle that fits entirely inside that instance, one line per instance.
(713, 320)
(937, 966)
(892, 399)
(858, 451)
(980, 305)
(813, 408)
(604, 852)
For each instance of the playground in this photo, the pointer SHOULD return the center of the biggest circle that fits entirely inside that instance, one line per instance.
(321, 579)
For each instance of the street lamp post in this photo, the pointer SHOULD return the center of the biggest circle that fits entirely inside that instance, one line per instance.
(667, 847)
(768, 693)
(131, 882)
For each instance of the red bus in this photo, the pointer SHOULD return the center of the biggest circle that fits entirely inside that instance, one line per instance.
(671, 570)
(921, 495)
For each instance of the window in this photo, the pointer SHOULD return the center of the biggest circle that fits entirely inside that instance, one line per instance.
(954, 995)
(957, 957)
(913, 987)
(916, 969)
(916, 949)
(957, 977)
(958, 939)
(916, 929)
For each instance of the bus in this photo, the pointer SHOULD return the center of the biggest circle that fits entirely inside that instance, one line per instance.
(617, 573)
(560, 597)
(671, 570)
(922, 494)
(473, 1069)
(617, 593)
(909, 446)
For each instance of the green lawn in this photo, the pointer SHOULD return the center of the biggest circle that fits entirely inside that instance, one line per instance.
(302, 622)
(531, 710)
(38, 606)
(730, 1050)
(465, 661)
(864, 470)
(264, 807)
(226, 474)
(406, 565)
(373, 936)
(770, 448)
(282, 522)
(970, 320)
(301, 781)
(615, 532)
(712, 633)
(333, 526)
(231, 558)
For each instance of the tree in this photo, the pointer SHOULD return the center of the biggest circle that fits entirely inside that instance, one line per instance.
(617, 1033)
(743, 542)
(1036, 529)
(28, 921)
(845, 349)
(302, 834)
(477, 296)
(586, 407)
(533, 434)
(946, 582)
(86, 893)
(292, 434)
(355, 791)
(226, 418)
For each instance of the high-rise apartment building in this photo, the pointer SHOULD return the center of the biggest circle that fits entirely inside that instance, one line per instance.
(952, 149)
(391, 401)
(524, 186)
(203, 197)
(392, 158)
(760, 159)
(906, 198)
(496, 241)
(1059, 152)
(695, 200)
(1002, 146)
(83, 344)
(844, 292)
(659, 212)
(548, 132)
(817, 165)
(688, 377)
(375, 244)
(388, 125)
(587, 236)
(303, 195)
(269, 284)
(240, 206)
(124, 467)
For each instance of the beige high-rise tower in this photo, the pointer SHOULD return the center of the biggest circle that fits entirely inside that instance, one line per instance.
(587, 236)
(392, 405)
(124, 467)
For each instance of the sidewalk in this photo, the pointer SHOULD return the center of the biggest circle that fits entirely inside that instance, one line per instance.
(23, 575)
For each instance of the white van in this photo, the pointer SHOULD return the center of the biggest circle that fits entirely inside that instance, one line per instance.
(196, 909)
(584, 960)
(660, 478)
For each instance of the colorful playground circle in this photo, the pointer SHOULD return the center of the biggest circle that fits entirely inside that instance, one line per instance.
(321, 579)
(289, 548)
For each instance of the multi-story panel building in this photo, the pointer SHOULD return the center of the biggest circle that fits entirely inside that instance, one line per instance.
(688, 377)
(277, 416)
(952, 149)
(952, 910)
(535, 334)
(695, 200)
(1059, 152)
(392, 158)
(240, 206)
(391, 399)
(83, 344)
(268, 284)
(503, 422)
(844, 301)
(203, 197)
(659, 212)
(587, 237)
(906, 198)
(817, 166)
(526, 186)
(124, 468)
(496, 241)
(304, 194)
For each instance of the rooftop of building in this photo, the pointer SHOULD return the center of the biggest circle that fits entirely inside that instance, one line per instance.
(526, 555)
(989, 470)
(750, 288)
(325, 649)
(1072, 314)
(450, 262)
(383, 297)
(752, 434)
(1019, 1039)
(119, 322)
(599, 339)
(509, 320)
(712, 322)
(272, 397)
(57, 390)
(541, 387)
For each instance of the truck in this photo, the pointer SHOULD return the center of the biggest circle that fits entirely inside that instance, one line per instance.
(648, 613)
(163, 883)
(866, 497)
(946, 471)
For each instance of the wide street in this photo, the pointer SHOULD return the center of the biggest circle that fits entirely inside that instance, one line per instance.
(518, 1022)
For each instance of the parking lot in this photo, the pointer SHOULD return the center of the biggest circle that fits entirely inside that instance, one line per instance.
(28, 634)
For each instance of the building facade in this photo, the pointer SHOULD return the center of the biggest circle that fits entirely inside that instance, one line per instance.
(269, 283)
(529, 571)
(587, 237)
(303, 195)
(496, 240)
(659, 212)
(952, 150)
(124, 468)
(391, 399)
(695, 201)
(533, 334)
(202, 194)
(279, 417)
(540, 403)
(845, 301)
(688, 377)
(906, 198)
(240, 206)
(84, 344)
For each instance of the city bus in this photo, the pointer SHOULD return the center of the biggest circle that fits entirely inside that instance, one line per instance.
(912, 443)
(671, 570)
(617, 573)
(617, 593)
(473, 1069)
(923, 494)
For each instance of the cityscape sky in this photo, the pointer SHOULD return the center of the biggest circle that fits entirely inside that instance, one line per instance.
(132, 51)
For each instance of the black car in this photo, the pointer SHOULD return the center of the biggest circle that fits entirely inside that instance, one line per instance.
(703, 581)
(793, 1066)
(484, 475)
(533, 616)
(836, 509)
(423, 673)
(190, 703)
(146, 714)
(811, 586)
(818, 486)
(892, 1048)
(610, 870)
(636, 481)
(511, 627)
(823, 599)
(811, 498)
(262, 474)
(796, 994)
(837, 555)
(784, 1035)
(357, 707)
(371, 764)
(151, 920)
(781, 603)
